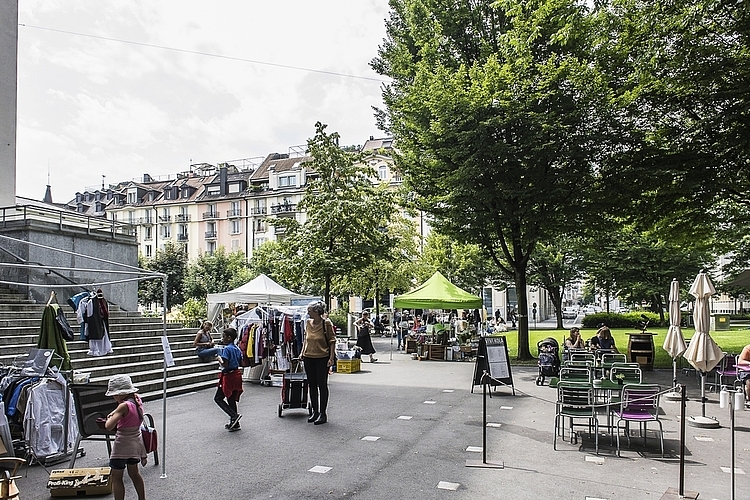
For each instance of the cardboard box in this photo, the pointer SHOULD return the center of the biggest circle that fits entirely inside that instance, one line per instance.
(80, 482)
(347, 366)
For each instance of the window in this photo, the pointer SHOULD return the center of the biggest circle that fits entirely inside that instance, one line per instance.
(382, 172)
(166, 231)
(235, 245)
(165, 213)
(235, 206)
(131, 216)
(234, 187)
(149, 251)
(183, 210)
(132, 197)
(287, 181)
(210, 247)
(235, 227)
(213, 190)
(212, 209)
(148, 236)
(260, 226)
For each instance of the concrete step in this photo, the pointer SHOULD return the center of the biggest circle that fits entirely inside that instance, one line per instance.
(136, 342)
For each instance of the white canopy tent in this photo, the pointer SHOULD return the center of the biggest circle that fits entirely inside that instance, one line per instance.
(260, 290)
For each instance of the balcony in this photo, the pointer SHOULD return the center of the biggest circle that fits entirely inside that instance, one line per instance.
(234, 232)
(144, 221)
(165, 218)
(210, 215)
(182, 218)
(211, 235)
(148, 238)
(259, 211)
(284, 208)
(234, 213)
(182, 237)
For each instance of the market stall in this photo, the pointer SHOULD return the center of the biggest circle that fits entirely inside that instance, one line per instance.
(436, 293)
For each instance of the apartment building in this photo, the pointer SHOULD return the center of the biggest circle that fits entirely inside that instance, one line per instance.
(218, 206)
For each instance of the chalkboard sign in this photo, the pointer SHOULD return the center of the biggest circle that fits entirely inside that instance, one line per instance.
(492, 356)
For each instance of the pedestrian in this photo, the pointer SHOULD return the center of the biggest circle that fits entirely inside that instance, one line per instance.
(128, 449)
(364, 327)
(318, 351)
(230, 380)
(204, 343)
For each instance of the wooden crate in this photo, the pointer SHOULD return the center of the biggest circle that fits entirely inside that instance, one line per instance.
(436, 351)
(347, 365)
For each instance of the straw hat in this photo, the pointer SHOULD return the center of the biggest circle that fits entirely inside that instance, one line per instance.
(120, 385)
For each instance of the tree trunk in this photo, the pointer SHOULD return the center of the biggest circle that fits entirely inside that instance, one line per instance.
(556, 294)
(524, 354)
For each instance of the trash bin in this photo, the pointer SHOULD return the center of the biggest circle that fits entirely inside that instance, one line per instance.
(720, 322)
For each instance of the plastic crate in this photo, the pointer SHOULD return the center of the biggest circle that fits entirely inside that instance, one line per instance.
(347, 365)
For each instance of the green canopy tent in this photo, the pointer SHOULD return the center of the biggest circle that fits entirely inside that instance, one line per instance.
(437, 293)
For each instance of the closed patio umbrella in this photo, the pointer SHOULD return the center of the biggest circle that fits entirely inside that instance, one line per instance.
(674, 344)
(702, 353)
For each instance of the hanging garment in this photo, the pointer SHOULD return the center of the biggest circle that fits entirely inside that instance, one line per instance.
(44, 419)
(98, 326)
(50, 338)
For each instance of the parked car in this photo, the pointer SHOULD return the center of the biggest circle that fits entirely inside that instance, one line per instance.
(589, 310)
(569, 313)
(623, 310)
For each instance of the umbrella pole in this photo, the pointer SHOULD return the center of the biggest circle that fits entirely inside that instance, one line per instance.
(703, 421)
(674, 394)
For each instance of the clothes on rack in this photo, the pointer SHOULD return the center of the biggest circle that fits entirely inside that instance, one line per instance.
(93, 311)
(44, 418)
(51, 338)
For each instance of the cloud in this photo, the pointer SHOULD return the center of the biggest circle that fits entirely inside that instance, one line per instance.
(93, 106)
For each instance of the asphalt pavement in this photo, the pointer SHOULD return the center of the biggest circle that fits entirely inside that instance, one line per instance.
(403, 428)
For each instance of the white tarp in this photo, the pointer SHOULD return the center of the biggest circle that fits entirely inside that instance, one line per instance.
(261, 290)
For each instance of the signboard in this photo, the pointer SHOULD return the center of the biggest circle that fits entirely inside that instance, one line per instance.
(492, 357)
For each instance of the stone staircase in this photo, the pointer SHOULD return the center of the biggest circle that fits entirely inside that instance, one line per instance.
(136, 341)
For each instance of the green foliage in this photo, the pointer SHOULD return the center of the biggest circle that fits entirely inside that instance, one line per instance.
(339, 318)
(615, 320)
(172, 261)
(500, 114)
(215, 273)
(463, 264)
(192, 312)
(344, 214)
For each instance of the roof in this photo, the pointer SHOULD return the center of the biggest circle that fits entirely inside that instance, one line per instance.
(280, 163)
(438, 293)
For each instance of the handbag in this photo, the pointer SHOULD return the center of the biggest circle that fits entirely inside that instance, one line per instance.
(149, 438)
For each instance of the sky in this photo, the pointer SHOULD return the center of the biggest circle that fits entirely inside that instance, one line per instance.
(122, 88)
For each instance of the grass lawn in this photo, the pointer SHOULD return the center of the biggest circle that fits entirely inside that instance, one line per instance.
(731, 341)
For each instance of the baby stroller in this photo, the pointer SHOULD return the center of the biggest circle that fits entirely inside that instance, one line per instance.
(549, 359)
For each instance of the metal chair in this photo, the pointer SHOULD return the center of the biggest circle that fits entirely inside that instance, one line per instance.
(582, 356)
(639, 404)
(727, 368)
(610, 358)
(575, 401)
(625, 374)
(579, 374)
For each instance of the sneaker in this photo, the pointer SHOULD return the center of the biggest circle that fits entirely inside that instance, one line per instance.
(235, 428)
(235, 422)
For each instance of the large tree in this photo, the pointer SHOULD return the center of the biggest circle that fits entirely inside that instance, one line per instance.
(346, 216)
(501, 117)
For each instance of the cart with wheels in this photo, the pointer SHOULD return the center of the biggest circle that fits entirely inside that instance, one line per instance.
(294, 393)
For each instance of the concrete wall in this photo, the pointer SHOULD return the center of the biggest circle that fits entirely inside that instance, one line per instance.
(104, 247)
(8, 100)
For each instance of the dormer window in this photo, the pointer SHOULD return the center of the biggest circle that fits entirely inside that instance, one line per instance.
(287, 181)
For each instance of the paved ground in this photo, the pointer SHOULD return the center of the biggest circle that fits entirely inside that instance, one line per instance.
(271, 457)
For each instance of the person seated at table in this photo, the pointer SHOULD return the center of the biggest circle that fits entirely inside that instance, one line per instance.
(603, 340)
(574, 340)
(744, 375)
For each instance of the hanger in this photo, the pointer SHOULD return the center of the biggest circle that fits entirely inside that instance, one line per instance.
(52, 296)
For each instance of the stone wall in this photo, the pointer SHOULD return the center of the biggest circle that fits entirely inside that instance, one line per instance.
(102, 246)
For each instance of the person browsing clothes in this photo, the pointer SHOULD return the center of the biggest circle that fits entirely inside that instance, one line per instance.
(318, 354)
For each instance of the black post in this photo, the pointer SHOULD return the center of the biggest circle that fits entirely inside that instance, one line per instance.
(484, 417)
(683, 404)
